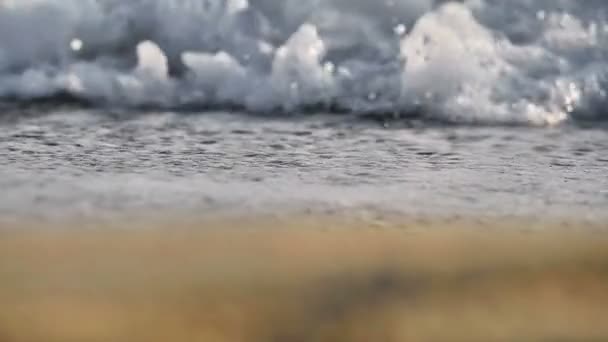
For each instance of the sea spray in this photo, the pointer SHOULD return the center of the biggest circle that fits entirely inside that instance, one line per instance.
(482, 61)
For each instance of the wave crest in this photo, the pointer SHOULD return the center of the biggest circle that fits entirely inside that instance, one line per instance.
(490, 61)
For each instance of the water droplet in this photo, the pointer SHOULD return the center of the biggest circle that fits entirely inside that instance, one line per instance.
(541, 15)
(329, 67)
(400, 29)
(76, 44)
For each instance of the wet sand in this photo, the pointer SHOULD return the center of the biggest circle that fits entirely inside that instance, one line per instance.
(303, 279)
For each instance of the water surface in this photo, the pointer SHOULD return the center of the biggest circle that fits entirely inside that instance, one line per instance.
(95, 163)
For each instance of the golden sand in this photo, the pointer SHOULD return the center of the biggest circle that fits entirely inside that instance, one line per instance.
(303, 280)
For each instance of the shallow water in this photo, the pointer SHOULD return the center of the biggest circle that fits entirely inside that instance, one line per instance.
(416, 107)
(93, 163)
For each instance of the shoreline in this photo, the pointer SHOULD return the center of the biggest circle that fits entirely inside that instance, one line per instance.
(307, 218)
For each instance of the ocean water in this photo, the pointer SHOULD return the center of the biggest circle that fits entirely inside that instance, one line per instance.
(414, 107)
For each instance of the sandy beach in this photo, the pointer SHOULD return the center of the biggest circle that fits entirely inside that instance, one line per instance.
(303, 279)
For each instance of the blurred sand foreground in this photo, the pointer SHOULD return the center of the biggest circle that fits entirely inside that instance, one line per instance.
(303, 280)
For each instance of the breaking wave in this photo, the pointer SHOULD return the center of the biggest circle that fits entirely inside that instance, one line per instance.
(538, 62)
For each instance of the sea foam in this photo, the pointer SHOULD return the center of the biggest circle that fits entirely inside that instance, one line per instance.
(538, 62)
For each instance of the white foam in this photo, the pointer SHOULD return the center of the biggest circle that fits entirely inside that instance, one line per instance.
(509, 61)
